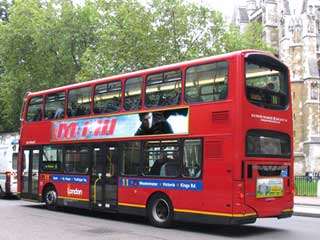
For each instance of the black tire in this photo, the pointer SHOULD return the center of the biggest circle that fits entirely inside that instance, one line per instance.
(50, 198)
(160, 211)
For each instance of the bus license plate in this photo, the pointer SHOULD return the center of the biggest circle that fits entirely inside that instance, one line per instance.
(269, 187)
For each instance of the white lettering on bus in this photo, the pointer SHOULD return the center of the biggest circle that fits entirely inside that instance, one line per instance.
(76, 191)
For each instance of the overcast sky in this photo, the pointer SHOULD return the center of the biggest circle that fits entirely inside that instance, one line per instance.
(227, 6)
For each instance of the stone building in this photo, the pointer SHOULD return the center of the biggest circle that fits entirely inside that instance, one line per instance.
(295, 34)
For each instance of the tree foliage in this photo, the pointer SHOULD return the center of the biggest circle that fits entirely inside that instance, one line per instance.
(45, 44)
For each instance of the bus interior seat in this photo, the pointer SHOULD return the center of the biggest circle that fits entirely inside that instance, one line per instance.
(169, 170)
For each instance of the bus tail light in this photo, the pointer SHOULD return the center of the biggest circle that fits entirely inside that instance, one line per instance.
(239, 190)
(8, 181)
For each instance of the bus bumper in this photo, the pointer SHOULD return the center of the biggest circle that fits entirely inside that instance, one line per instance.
(212, 219)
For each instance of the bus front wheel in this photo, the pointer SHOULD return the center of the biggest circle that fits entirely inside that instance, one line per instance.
(50, 198)
(160, 211)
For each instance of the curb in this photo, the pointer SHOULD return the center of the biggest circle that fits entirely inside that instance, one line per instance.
(304, 214)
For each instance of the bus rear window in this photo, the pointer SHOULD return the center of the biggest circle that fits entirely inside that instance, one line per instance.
(266, 82)
(267, 144)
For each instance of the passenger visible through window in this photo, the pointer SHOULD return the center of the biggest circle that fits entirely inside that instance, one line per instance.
(107, 97)
(54, 108)
(79, 102)
(163, 89)
(161, 158)
(34, 113)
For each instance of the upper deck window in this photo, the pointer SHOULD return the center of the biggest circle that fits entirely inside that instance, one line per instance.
(266, 82)
(79, 102)
(107, 97)
(163, 89)
(132, 98)
(34, 113)
(207, 82)
(54, 108)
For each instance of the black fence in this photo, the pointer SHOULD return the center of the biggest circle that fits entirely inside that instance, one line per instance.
(306, 185)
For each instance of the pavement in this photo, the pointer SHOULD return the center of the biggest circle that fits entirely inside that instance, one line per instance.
(307, 206)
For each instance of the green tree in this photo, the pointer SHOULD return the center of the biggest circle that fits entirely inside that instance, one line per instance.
(45, 44)
(42, 45)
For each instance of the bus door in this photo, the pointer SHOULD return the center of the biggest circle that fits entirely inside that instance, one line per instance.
(104, 176)
(30, 173)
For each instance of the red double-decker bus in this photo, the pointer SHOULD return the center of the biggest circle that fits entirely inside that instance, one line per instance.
(208, 140)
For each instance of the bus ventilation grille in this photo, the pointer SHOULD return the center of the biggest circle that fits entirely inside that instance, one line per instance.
(220, 116)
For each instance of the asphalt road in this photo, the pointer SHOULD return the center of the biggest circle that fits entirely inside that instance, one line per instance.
(31, 221)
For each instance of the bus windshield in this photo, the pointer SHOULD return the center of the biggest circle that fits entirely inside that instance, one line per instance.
(266, 82)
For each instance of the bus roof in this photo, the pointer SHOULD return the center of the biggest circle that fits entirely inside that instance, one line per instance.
(146, 71)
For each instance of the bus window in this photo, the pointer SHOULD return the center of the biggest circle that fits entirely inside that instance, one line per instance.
(192, 158)
(161, 158)
(131, 158)
(51, 159)
(76, 159)
(107, 97)
(163, 89)
(54, 108)
(266, 82)
(261, 143)
(207, 83)
(132, 90)
(79, 102)
(34, 113)
(15, 157)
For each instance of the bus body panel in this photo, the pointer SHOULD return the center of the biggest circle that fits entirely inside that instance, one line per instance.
(224, 192)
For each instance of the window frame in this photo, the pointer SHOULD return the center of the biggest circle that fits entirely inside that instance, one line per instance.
(227, 61)
(64, 105)
(94, 96)
(164, 82)
(41, 108)
(68, 101)
(268, 133)
(141, 93)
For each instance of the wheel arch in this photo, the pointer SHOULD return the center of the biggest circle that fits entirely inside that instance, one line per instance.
(45, 188)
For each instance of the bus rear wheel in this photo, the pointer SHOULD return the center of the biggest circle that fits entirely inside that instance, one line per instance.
(160, 211)
(50, 198)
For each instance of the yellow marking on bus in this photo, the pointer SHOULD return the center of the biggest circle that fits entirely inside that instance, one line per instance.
(131, 205)
(29, 200)
(288, 210)
(194, 211)
(215, 213)
(71, 198)
(95, 190)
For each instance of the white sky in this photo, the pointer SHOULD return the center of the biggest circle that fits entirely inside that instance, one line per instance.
(227, 6)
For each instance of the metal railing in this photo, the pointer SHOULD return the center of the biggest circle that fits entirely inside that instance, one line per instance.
(307, 185)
